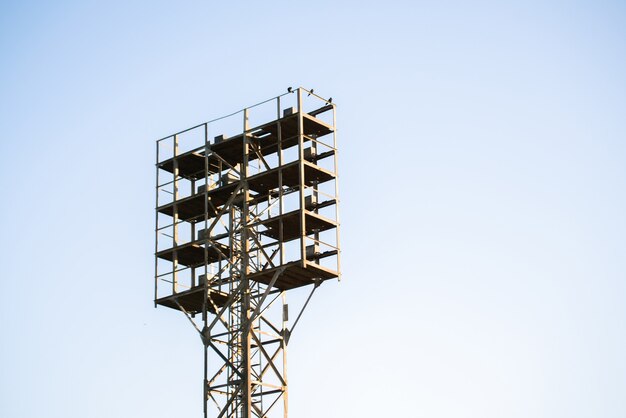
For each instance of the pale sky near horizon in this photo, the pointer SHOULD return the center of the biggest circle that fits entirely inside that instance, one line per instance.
(482, 180)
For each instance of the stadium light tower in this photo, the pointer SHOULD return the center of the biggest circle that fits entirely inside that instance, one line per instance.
(246, 212)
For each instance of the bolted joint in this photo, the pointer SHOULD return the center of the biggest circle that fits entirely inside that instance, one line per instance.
(286, 335)
(205, 336)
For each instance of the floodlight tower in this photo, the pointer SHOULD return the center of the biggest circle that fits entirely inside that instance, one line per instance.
(247, 217)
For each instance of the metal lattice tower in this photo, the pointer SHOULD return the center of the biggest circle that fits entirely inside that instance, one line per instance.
(241, 220)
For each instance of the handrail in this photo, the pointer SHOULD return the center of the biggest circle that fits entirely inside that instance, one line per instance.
(310, 93)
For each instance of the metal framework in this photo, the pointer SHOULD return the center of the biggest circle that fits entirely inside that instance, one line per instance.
(241, 220)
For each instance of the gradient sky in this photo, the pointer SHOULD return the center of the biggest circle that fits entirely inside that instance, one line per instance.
(483, 178)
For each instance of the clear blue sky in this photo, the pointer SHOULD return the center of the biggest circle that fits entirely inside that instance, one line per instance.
(483, 178)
